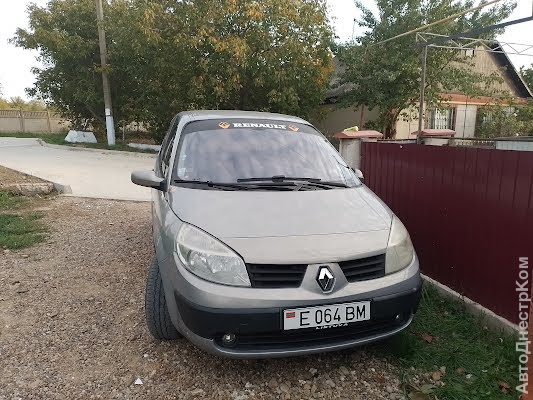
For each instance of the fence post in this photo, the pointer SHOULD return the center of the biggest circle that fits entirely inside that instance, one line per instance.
(350, 145)
(21, 118)
(48, 121)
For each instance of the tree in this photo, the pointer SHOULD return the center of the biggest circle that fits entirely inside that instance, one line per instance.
(500, 120)
(18, 103)
(65, 34)
(507, 118)
(167, 56)
(387, 75)
(527, 76)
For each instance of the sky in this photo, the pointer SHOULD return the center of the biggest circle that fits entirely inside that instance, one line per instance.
(16, 63)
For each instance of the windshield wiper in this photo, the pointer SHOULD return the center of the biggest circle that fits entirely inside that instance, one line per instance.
(216, 185)
(282, 178)
(278, 178)
(240, 186)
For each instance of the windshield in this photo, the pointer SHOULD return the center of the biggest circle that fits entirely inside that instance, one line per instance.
(233, 151)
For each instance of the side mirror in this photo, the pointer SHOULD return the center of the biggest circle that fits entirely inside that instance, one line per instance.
(359, 175)
(148, 179)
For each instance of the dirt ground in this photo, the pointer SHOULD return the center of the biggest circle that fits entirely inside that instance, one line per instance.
(72, 326)
(8, 176)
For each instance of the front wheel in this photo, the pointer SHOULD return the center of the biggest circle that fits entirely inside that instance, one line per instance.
(155, 305)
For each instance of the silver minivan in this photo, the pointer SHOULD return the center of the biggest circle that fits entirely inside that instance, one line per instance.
(267, 244)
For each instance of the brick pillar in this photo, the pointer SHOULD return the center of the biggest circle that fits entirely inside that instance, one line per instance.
(350, 145)
(22, 124)
(49, 123)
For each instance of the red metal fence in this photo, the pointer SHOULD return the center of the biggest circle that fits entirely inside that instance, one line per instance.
(469, 212)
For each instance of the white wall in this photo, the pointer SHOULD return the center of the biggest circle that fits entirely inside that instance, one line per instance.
(407, 123)
(465, 120)
(338, 119)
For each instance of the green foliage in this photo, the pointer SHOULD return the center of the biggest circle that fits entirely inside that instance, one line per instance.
(527, 76)
(11, 202)
(167, 56)
(18, 103)
(388, 75)
(19, 231)
(501, 121)
(477, 361)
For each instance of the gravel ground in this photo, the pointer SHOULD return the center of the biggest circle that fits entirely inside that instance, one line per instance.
(72, 326)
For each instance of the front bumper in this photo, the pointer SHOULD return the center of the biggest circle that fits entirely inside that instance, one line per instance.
(203, 312)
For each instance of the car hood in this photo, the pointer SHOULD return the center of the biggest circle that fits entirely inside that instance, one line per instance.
(232, 214)
(288, 226)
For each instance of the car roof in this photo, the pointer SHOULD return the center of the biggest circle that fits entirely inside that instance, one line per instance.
(198, 115)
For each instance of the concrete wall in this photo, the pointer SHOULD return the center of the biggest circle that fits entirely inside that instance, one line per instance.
(17, 121)
(350, 150)
(520, 145)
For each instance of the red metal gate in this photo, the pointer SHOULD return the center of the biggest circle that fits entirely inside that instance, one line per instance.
(469, 212)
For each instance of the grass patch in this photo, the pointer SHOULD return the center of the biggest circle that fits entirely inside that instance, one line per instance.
(21, 229)
(59, 138)
(479, 364)
(12, 202)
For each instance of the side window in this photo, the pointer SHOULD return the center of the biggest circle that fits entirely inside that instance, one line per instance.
(166, 147)
(165, 160)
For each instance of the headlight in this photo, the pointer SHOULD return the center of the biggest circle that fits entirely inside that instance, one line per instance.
(400, 251)
(210, 259)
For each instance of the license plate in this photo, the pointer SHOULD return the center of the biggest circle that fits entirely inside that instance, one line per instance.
(329, 316)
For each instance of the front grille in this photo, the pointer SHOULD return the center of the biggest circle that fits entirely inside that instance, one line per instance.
(364, 269)
(276, 276)
(302, 338)
(291, 275)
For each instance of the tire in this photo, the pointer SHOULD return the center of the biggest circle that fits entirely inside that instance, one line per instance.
(155, 305)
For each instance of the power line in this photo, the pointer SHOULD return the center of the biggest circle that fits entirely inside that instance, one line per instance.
(451, 17)
(478, 31)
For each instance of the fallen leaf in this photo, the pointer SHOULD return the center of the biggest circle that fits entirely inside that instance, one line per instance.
(436, 376)
(442, 370)
(460, 371)
(504, 387)
(427, 337)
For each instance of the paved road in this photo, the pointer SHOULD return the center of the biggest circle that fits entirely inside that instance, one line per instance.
(97, 174)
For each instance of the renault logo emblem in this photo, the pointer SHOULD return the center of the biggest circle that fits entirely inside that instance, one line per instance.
(325, 278)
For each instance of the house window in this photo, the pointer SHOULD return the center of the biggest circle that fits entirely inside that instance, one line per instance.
(442, 118)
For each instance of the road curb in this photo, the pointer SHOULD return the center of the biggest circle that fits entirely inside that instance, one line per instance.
(493, 321)
(58, 187)
(103, 151)
(121, 199)
(28, 189)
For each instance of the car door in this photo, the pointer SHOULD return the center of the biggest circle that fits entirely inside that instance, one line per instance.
(160, 205)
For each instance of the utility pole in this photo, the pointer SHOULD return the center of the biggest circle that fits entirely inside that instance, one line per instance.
(423, 65)
(110, 125)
